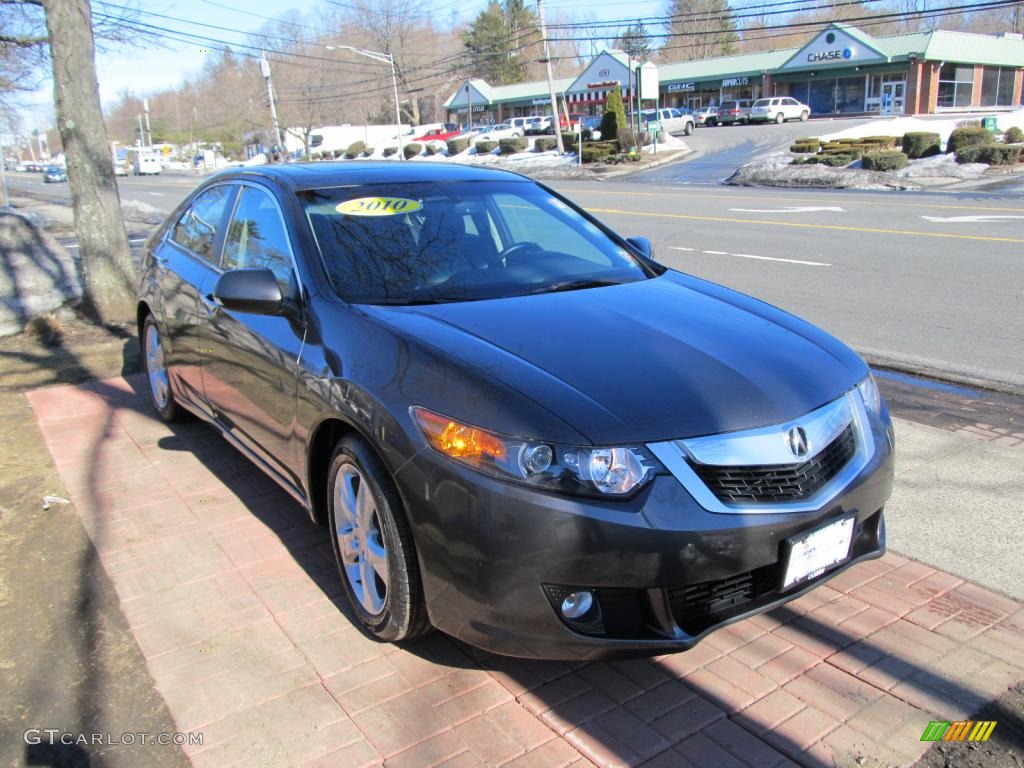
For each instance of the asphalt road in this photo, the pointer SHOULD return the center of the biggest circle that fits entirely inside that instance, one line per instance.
(926, 282)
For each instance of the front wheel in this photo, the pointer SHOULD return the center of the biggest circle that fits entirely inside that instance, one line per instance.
(803, 116)
(160, 393)
(780, 119)
(688, 129)
(373, 545)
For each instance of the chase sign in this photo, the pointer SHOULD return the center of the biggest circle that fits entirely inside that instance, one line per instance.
(835, 47)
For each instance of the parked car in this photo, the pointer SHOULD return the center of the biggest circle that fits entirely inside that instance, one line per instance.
(54, 174)
(706, 116)
(523, 123)
(439, 134)
(394, 346)
(778, 109)
(539, 125)
(732, 112)
(499, 131)
(120, 169)
(672, 120)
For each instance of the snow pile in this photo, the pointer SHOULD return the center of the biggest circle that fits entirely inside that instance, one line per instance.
(941, 167)
(776, 171)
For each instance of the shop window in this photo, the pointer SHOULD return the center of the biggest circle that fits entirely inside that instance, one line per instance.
(956, 85)
(997, 87)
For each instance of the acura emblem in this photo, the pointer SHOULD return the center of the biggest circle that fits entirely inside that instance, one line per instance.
(796, 439)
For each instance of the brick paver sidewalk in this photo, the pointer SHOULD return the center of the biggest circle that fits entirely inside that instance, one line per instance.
(233, 597)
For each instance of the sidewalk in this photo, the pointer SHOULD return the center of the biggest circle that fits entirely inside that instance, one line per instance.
(233, 598)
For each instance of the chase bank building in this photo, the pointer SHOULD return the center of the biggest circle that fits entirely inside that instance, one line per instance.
(841, 70)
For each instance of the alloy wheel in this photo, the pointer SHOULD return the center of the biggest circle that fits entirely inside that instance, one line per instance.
(364, 555)
(159, 384)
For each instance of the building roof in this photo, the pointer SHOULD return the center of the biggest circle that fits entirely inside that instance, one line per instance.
(744, 64)
(970, 47)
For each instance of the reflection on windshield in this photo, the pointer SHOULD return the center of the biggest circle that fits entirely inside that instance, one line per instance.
(458, 241)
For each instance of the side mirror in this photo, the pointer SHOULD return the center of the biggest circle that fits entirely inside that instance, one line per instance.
(643, 245)
(249, 290)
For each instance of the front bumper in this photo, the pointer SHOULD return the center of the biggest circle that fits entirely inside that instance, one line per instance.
(665, 571)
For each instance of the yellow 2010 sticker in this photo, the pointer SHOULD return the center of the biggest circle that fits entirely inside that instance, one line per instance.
(378, 206)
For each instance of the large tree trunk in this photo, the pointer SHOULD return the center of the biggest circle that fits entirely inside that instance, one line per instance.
(107, 269)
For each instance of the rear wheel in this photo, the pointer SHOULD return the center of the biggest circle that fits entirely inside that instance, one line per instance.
(373, 545)
(157, 372)
(688, 129)
(780, 118)
(803, 116)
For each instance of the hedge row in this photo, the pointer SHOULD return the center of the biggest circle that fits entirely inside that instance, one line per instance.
(993, 154)
(355, 149)
(455, 146)
(412, 149)
(883, 161)
(967, 137)
(513, 145)
(483, 147)
(546, 144)
(918, 144)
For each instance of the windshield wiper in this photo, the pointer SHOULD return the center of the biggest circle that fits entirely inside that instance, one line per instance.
(569, 285)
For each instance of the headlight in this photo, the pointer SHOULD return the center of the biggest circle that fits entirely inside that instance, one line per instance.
(571, 469)
(869, 393)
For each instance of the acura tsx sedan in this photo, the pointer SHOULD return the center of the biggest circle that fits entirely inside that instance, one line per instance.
(517, 426)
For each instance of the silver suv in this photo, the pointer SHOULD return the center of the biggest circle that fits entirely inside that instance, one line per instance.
(780, 109)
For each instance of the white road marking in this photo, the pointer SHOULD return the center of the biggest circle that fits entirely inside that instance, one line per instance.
(966, 219)
(752, 256)
(791, 209)
(157, 194)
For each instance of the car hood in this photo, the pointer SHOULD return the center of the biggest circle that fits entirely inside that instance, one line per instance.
(657, 359)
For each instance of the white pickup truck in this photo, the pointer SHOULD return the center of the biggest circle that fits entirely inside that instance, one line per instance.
(672, 120)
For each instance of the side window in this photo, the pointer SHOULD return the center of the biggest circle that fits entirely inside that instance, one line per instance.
(196, 230)
(256, 237)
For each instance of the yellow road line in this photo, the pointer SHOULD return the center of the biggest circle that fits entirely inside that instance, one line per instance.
(769, 200)
(874, 230)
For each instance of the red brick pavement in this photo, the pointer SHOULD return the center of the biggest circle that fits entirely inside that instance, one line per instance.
(232, 595)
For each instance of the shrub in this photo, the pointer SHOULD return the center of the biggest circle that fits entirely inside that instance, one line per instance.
(804, 149)
(614, 119)
(967, 137)
(483, 147)
(811, 140)
(545, 144)
(355, 149)
(455, 146)
(314, 155)
(845, 141)
(993, 154)
(882, 142)
(594, 154)
(883, 161)
(1013, 135)
(513, 145)
(367, 151)
(389, 151)
(836, 161)
(917, 144)
(569, 140)
(412, 149)
(433, 147)
(338, 153)
(630, 139)
(854, 151)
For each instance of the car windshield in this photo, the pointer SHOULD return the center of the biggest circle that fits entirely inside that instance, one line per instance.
(406, 243)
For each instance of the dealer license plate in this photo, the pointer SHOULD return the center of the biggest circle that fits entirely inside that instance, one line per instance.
(813, 553)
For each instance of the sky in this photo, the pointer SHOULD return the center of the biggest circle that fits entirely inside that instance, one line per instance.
(149, 69)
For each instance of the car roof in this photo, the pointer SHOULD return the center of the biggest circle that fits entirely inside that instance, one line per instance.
(298, 176)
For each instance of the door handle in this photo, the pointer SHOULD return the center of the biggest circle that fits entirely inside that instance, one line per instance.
(211, 302)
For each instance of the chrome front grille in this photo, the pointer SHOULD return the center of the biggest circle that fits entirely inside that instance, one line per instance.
(775, 482)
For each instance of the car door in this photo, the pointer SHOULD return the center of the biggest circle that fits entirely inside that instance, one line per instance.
(250, 361)
(185, 267)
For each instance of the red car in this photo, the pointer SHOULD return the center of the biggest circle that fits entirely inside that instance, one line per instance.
(439, 134)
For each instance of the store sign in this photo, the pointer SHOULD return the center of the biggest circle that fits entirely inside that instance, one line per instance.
(734, 81)
(682, 87)
(833, 47)
(603, 83)
(538, 102)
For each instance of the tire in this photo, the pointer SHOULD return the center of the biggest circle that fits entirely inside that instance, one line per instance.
(157, 373)
(688, 129)
(803, 116)
(400, 612)
(780, 119)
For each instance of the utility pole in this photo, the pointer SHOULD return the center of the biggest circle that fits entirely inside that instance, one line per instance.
(551, 81)
(469, 98)
(145, 107)
(265, 71)
(142, 135)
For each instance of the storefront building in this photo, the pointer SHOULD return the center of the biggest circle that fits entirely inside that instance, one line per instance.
(841, 70)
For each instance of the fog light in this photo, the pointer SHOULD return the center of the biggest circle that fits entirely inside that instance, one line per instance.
(537, 458)
(577, 605)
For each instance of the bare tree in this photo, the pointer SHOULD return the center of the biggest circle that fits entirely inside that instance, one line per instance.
(108, 272)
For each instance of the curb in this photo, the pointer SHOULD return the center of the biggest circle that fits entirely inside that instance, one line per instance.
(670, 157)
(933, 369)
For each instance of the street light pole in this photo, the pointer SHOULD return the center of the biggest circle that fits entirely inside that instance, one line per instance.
(386, 58)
